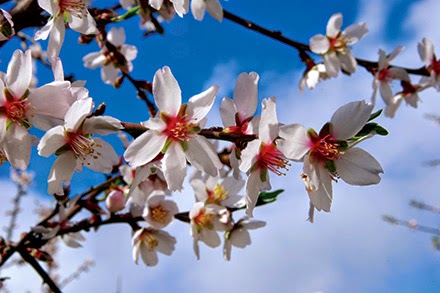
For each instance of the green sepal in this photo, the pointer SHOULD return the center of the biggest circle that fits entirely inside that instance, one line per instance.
(375, 115)
(263, 175)
(227, 234)
(369, 128)
(9, 124)
(131, 12)
(330, 165)
(166, 145)
(342, 145)
(381, 131)
(184, 145)
(25, 95)
(61, 150)
(268, 197)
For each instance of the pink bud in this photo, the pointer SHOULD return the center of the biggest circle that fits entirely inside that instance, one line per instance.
(115, 201)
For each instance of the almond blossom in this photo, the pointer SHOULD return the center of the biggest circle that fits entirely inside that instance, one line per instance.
(214, 8)
(239, 236)
(148, 242)
(270, 152)
(312, 76)
(426, 52)
(75, 147)
(71, 12)
(172, 136)
(238, 114)
(159, 212)
(112, 62)
(410, 94)
(333, 47)
(332, 154)
(385, 75)
(22, 107)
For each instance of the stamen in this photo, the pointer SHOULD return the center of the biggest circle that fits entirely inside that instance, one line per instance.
(272, 159)
(75, 8)
(217, 195)
(158, 214)
(325, 148)
(82, 146)
(203, 220)
(149, 240)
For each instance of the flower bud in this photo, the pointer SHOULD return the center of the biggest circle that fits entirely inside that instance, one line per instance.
(115, 201)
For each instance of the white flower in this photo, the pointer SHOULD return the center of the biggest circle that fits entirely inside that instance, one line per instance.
(75, 147)
(172, 134)
(22, 107)
(239, 236)
(410, 94)
(210, 190)
(205, 222)
(426, 52)
(159, 212)
(334, 45)
(238, 114)
(112, 63)
(329, 155)
(147, 242)
(198, 8)
(385, 75)
(312, 76)
(267, 153)
(72, 12)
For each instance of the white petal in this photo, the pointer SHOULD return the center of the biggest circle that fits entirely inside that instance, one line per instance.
(44, 32)
(198, 8)
(144, 148)
(253, 187)
(156, 4)
(116, 36)
(104, 157)
(334, 25)
(56, 38)
(51, 141)
(246, 94)
(199, 105)
(102, 125)
(332, 64)
(386, 92)
(249, 154)
(294, 142)
(241, 238)
(61, 172)
(83, 25)
(426, 51)
(357, 167)
(348, 62)
(355, 32)
(319, 44)
(19, 73)
(202, 155)
(94, 59)
(17, 146)
(77, 113)
(109, 74)
(227, 112)
(322, 197)
(269, 128)
(174, 167)
(214, 9)
(166, 91)
(350, 118)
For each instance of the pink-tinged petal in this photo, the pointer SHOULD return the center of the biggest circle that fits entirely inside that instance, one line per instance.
(199, 105)
(17, 146)
(399, 73)
(355, 32)
(319, 44)
(144, 148)
(249, 154)
(19, 73)
(322, 196)
(395, 52)
(202, 155)
(166, 91)
(311, 170)
(102, 125)
(210, 238)
(94, 59)
(391, 108)
(44, 32)
(57, 69)
(426, 51)
(174, 167)
(104, 157)
(294, 142)
(383, 60)
(358, 167)
(253, 187)
(2, 93)
(253, 224)
(116, 36)
(198, 8)
(166, 242)
(61, 173)
(386, 92)
(348, 62)
(227, 112)
(149, 257)
(51, 141)
(241, 238)
(350, 118)
(3, 131)
(155, 124)
(56, 38)
(199, 190)
(156, 4)
(332, 64)
(77, 113)
(334, 25)
(215, 9)
(109, 74)
(269, 128)
(246, 94)
(181, 6)
(83, 25)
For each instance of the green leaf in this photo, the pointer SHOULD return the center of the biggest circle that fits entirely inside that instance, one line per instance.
(380, 130)
(268, 197)
(375, 115)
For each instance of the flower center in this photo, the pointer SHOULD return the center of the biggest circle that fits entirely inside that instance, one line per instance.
(75, 8)
(272, 159)
(325, 148)
(158, 214)
(203, 220)
(15, 109)
(149, 240)
(82, 146)
(338, 44)
(218, 194)
(178, 128)
(384, 75)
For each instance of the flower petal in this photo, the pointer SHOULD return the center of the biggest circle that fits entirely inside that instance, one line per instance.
(166, 91)
(144, 148)
(61, 172)
(350, 118)
(199, 105)
(51, 141)
(174, 167)
(294, 142)
(77, 113)
(102, 125)
(334, 25)
(319, 44)
(246, 94)
(19, 73)
(202, 155)
(227, 112)
(215, 9)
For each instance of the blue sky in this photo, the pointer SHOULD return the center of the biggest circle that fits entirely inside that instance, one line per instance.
(350, 249)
